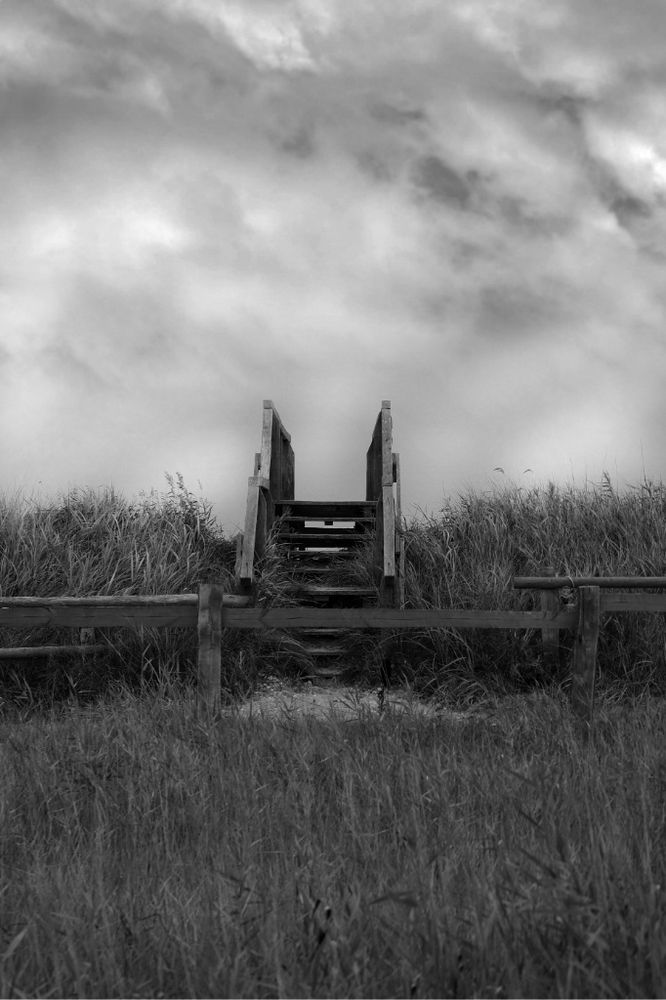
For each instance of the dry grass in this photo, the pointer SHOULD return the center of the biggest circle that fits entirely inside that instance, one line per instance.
(364, 850)
(145, 852)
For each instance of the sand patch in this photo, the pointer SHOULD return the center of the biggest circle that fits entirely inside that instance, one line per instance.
(338, 702)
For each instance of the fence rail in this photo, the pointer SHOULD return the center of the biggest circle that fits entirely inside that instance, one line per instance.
(562, 582)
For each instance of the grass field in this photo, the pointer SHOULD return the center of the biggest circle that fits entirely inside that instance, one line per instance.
(146, 851)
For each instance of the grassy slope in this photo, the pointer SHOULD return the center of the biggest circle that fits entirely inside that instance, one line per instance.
(96, 543)
(147, 853)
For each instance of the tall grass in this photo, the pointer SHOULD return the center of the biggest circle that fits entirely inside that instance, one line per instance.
(144, 852)
(464, 556)
(94, 543)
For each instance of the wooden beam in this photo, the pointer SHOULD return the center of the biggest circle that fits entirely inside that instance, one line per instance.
(125, 610)
(399, 535)
(391, 618)
(388, 529)
(557, 582)
(252, 532)
(387, 443)
(550, 637)
(585, 654)
(611, 602)
(209, 661)
(34, 652)
(99, 616)
(101, 601)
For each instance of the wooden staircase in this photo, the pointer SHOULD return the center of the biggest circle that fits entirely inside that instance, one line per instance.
(317, 540)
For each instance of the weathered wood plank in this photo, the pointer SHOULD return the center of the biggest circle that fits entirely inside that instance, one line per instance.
(557, 582)
(585, 654)
(399, 538)
(550, 637)
(209, 659)
(387, 443)
(632, 602)
(103, 600)
(35, 652)
(128, 610)
(388, 529)
(96, 616)
(250, 530)
(320, 510)
(120, 601)
(266, 439)
(390, 618)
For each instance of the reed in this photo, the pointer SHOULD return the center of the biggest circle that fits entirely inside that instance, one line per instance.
(145, 852)
(464, 556)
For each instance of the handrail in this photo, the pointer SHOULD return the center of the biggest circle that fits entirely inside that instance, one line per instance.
(273, 480)
(382, 472)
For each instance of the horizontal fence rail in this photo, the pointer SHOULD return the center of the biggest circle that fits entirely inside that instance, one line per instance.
(152, 611)
(32, 652)
(391, 618)
(562, 582)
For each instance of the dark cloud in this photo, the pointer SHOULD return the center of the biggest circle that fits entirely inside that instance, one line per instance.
(440, 182)
(458, 207)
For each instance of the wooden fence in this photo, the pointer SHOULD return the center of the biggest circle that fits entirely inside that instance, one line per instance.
(211, 611)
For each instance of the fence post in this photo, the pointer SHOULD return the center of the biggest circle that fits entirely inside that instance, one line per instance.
(550, 637)
(585, 654)
(209, 661)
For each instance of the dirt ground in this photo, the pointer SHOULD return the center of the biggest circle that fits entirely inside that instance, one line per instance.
(337, 701)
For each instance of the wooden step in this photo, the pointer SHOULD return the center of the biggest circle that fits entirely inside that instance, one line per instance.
(332, 590)
(337, 523)
(325, 510)
(321, 539)
(319, 569)
(323, 632)
(324, 670)
(315, 531)
(324, 558)
(324, 650)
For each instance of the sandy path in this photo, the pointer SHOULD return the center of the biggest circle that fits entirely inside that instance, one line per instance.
(337, 702)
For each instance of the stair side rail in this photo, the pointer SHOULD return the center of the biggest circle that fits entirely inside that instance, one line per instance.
(380, 478)
(399, 535)
(273, 479)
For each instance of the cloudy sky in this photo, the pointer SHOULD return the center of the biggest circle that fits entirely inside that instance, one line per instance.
(458, 205)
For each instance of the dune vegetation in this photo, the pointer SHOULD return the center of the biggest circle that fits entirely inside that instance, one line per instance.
(147, 850)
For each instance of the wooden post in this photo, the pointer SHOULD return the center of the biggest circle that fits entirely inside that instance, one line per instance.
(209, 627)
(550, 637)
(585, 654)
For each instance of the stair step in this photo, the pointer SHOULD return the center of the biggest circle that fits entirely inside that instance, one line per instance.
(318, 570)
(323, 558)
(320, 672)
(322, 510)
(349, 523)
(315, 531)
(321, 633)
(332, 590)
(321, 539)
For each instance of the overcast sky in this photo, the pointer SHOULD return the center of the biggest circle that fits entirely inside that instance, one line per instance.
(459, 206)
